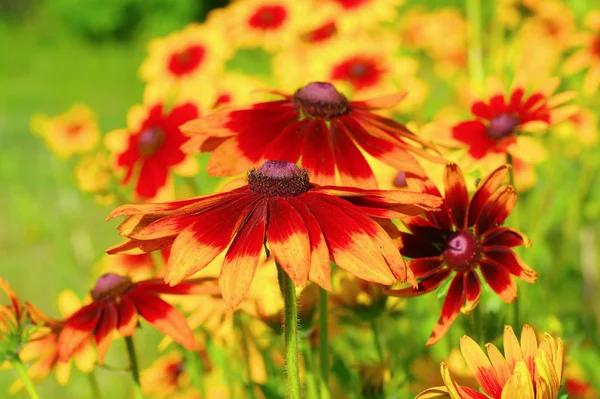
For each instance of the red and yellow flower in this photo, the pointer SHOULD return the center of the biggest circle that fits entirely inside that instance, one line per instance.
(317, 125)
(73, 132)
(303, 225)
(589, 55)
(12, 324)
(149, 148)
(465, 236)
(117, 304)
(196, 52)
(355, 15)
(528, 370)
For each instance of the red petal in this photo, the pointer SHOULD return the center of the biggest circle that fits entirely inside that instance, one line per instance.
(241, 260)
(426, 285)
(515, 100)
(106, 326)
(195, 286)
(288, 144)
(424, 229)
(351, 164)
(497, 104)
(504, 257)
(201, 242)
(456, 195)
(472, 290)
(128, 319)
(416, 247)
(506, 237)
(495, 211)
(79, 328)
(320, 269)
(499, 280)
(484, 191)
(165, 318)
(426, 267)
(481, 110)
(317, 156)
(152, 177)
(454, 300)
(474, 135)
(288, 241)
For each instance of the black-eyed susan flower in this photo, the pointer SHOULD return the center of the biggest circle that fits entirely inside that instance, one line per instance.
(303, 225)
(73, 132)
(466, 236)
(148, 150)
(588, 56)
(316, 124)
(527, 370)
(117, 303)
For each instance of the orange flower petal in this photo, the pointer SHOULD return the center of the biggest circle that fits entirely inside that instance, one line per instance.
(519, 386)
(512, 349)
(451, 309)
(499, 280)
(106, 326)
(128, 319)
(79, 328)
(495, 211)
(456, 194)
(481, 367)
(317, 156)
(499, 363)
(484, 191)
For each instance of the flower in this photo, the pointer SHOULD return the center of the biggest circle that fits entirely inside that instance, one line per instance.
(425, 368)
(302, 224)
(117, 302)
(589, 55)
(42, 348)
(73, 132)
(137, 267)
(149, 148)
(318, 125)
(465, 235)
(526, 371)
(198, 51)
(498, 124)
(13, 328)
(364, 14)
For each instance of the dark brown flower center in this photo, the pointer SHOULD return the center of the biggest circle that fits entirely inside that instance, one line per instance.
(110, 286)
(150, 141)
(278, 179)
(320, 100)
(462, 250)
(502, 125)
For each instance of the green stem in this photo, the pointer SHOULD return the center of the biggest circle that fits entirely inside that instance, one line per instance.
(377, 339)
(311, 382)
(323, 345)
(135, 372)
(475, 51)
(290, 332)
(18, 365)
(94, 385)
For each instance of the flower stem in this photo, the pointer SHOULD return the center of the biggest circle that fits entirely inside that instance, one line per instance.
(290, 332)
(323, 344)
(20, 368)
(377, 338)
(309, 365)
(475, 51)
(94, 385)
(135, 372)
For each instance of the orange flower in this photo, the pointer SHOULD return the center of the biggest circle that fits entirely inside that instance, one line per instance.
(117, 302)
(588, 56)
(12, 324)
(149, 148)
(317, 125)
(363, 14)
(526, 371)
(72, 132)
(467, 234)
(303, 225)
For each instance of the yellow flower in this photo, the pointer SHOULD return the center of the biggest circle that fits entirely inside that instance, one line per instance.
(356, 15)
(527, 371)
(174, 60)
(72, 132)
(589, 55)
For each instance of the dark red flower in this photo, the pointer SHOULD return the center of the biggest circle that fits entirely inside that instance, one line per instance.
(318, 126)
(467, 234)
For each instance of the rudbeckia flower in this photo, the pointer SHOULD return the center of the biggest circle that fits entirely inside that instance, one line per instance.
(117, 303)
(465, 236)
(589, 55)
(528, 370)
(73, 132)
(198, 51)
(363, 14)
(498, 124)
(316, 124)
(149, 148)
(303, 225)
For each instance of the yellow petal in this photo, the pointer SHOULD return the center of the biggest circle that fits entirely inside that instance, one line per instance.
(68, 303)
(62, 371)
(519, 386)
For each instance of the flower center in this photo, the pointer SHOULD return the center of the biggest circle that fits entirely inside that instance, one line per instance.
(400, 180)
(187, 60)
(268, 17)
(74, 129)
(110, 286)
(150, 141)
(278, 179)
(360, 71)
(320, 100)
(502, 125)
(462, 250)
